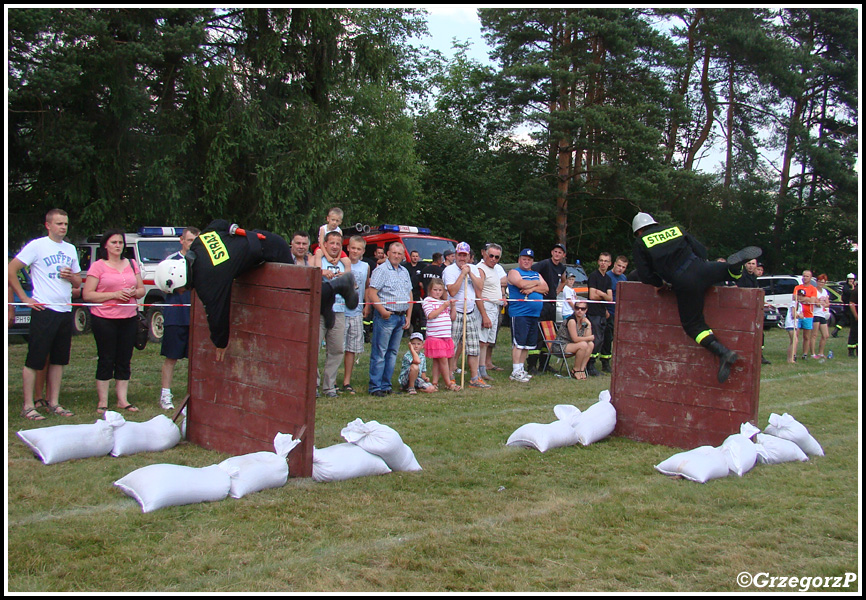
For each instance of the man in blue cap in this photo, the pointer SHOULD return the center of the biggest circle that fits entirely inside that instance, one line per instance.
(526, 290)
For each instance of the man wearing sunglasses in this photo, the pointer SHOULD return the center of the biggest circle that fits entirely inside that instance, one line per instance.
(493, 295)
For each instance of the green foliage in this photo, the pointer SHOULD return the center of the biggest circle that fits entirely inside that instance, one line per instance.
(270, 116)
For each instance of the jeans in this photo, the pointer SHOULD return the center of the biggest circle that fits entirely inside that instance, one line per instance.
(384, 345)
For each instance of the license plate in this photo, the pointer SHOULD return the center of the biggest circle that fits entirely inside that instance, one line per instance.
(772, 317)
(22, 320)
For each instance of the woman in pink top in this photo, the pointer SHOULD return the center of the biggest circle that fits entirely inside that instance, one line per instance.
(113, 281)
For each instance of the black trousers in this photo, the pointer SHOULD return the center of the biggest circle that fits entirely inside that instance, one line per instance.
(690, 286)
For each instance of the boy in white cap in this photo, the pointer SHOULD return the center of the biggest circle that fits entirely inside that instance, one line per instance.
(413, 370)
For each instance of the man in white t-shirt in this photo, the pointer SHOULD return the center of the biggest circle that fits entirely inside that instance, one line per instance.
(493, 295)
(54, 271)
(457, 277)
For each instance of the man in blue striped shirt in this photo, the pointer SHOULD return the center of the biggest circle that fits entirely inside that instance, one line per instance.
(390, 293)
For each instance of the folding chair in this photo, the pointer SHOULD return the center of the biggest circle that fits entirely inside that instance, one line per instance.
(548, 334)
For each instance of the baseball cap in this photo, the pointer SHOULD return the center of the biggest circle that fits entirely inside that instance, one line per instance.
(416, 336)
(527, 252)
(447, 253)
(463, 247)
(560, 246)
(851, 276)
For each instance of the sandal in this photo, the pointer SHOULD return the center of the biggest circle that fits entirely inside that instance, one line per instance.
(32, 414)
(452, 385)
(60, 411)
(41, 403)
(129, 407)
(348, 389)
(575, 372)
(412, 391)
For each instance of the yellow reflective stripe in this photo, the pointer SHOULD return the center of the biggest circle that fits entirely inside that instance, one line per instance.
(215, 247)
(735, 276)
(661, 237)
(702, 335)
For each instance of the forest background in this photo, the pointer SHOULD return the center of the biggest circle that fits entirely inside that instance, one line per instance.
(269, 117)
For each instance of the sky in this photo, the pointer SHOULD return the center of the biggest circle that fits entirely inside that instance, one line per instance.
(450, 22)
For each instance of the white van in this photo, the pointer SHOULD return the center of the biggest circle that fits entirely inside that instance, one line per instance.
(779, 290)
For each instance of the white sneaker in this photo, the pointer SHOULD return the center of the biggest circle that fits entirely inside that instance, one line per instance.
(520, 376)
(165, 402)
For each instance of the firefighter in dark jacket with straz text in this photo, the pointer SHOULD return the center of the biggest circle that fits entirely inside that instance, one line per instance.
(668, 255)
(222, 252)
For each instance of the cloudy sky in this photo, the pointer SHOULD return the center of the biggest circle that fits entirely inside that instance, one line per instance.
(447, 23)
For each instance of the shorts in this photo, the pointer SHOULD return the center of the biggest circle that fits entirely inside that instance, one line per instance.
(50, 338)
(438, 347)
(805, 323)
(175, 342)
(354, 340)
(819, 321)
(524, 332)
(473, 332)
(488, 336)
(420, 384)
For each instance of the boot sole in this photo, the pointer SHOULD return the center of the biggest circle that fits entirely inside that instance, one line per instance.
(743, 256)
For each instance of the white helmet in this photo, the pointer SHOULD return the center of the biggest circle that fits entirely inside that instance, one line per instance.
(641, 220)
(171, 274)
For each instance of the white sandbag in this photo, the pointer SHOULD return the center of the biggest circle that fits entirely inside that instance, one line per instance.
(345, 461)
(156, 435)
(260, 470)
(788, 428)
(568, 413)
(543, 436)
(699, 465)
(773, 450)
(384, 442)
(740, 453)
(596, 422)
(67, 442)
(158, 486)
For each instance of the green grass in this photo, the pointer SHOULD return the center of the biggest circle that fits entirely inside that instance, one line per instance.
(480, 517)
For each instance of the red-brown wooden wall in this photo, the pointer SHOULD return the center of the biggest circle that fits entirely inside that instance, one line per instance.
(664, 385)
(267, 382)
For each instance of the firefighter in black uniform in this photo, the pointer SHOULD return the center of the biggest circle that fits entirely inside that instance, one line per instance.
(221, 253)
(670, 256)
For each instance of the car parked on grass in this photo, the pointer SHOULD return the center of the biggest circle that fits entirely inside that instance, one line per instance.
(20, 323)
(779, 291)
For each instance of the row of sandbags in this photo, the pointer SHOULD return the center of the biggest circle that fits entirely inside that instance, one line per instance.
(784, 440)
(371, 449)
(570, 428)
(161, 485)
(112, 435)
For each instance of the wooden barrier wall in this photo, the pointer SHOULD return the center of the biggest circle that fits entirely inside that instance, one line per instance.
(267, 382)
(664, 385)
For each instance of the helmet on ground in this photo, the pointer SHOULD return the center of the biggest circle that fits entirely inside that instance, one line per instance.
(641, 220)
(170, 274)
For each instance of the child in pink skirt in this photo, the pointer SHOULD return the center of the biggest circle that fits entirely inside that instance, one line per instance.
(439, 346)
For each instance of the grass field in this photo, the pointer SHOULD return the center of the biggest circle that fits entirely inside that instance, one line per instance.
(480, 517)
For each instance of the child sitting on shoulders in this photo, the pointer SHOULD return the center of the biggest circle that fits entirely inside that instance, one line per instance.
(334, 220)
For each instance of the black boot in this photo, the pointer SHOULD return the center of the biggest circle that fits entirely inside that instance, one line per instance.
(741, 257)
(590, 368)
(345, 286)
(726, 357)
(605, 365)
(764, 361)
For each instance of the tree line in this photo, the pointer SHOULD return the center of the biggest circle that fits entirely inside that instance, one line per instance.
(268, 117)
